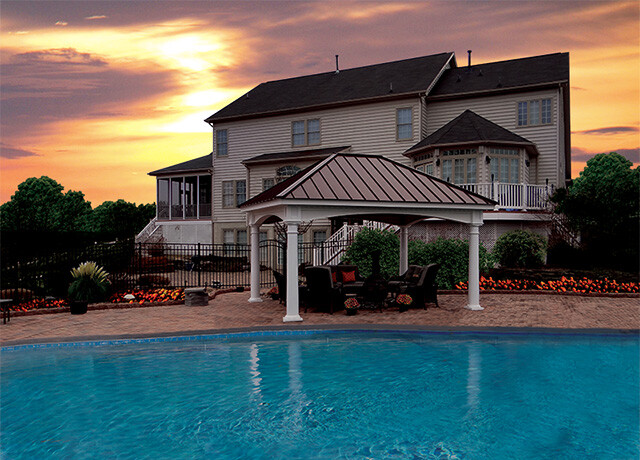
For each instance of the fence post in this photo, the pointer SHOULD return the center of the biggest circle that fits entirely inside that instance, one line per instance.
(199, 271)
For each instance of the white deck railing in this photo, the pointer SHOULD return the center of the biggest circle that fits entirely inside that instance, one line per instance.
(147, 231)
(331, 249)
(514, 196)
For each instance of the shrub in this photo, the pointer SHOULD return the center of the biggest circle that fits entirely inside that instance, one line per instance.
(453, 257)
(366, 242)
(89, 284)
(520, 248)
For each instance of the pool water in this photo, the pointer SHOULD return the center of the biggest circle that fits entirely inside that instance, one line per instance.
(326, 396)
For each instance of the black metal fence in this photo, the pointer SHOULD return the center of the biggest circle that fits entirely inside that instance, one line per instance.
(152, 265)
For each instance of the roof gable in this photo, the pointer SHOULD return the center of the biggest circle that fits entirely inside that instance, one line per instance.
(367, 178)
(389, 79)
(197, 164)
(468, 127)
(502, 75)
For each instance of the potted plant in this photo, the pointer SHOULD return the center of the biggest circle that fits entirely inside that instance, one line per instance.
(351, 306)
(273, 293)
(404, 301)
(89, 285)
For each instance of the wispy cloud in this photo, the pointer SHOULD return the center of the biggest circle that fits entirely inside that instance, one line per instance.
(91, 18)
(609, 130)
(62, 23)
(60, 56)
(582, 155)
(12, 153)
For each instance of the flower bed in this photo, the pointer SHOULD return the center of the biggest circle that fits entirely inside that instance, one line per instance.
(39, 304)
(564, 284)
(149, 295)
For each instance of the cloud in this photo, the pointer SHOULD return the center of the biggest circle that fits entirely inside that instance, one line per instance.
(91, 18)
(609, 130)
(11, 153)
(581, 155)
(59, 56)
(62, 23)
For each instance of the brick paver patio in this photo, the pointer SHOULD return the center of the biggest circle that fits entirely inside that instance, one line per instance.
(231, 311)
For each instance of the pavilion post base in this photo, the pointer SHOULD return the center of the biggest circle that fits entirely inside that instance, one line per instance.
(474, 307)
(291, 318)
(255, 299)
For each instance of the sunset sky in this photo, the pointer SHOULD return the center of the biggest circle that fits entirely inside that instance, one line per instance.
(96, 94)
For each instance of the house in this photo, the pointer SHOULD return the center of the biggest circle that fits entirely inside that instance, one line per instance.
(500, 129)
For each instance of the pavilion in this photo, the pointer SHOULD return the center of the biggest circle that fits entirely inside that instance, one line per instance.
(368, 186)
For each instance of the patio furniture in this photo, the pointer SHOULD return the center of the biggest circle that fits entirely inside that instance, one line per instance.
(322, 292)
(420, 283)
(6, 310)
(349, 276)
(281, 282)
(374, 292)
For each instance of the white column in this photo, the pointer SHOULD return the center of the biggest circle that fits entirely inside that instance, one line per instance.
(255, 263)
(293, 307)
(404, 249)
(474, 268)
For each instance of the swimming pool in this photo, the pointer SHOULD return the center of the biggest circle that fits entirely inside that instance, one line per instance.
(326, 395)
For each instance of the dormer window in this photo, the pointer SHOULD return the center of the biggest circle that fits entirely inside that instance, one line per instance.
(534, 112)
(305, 132)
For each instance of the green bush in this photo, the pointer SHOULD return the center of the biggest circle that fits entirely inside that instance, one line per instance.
(520, 248)
(453, 257)
(369, 240)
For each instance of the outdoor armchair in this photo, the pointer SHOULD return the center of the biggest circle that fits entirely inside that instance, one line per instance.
(322, 292)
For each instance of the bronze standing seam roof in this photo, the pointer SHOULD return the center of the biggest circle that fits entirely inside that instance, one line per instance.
(367, 178)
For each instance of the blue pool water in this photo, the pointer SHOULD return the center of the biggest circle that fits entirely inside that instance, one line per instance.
(327, 395)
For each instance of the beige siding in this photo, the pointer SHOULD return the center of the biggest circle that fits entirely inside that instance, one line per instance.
(503, 111)
(367, 128)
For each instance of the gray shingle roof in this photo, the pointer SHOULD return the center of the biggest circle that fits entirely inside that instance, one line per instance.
(408, 76)
(197, 164)
(469, 127)
(367, 178)
(314, 154)
(514, 73)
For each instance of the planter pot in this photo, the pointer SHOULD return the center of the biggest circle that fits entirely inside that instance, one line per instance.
(402, 307)
(78, 307)
(275, 296)
(351, 311)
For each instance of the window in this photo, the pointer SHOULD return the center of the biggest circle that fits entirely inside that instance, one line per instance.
(286, 172)
(221, 143)
(227, 194)
(241, 237)
(404, 124)
(462, 169)
(319, 237)
(305, 132)
(204, 196)
(163, 198)
(428, 169)
(535, 112)
(234, 193)
(505, 165)
(241, 192)
(229, 240)
(267, 183)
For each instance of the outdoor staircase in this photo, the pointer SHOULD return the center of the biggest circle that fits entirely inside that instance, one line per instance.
(331, 250)
(151, 233)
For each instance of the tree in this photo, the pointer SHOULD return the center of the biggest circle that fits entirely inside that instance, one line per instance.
(39, 205)
(603, 205)
(120, 218)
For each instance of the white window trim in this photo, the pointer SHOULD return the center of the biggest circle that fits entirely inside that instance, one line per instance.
(306, 132)
(398, 124)
(529, 101)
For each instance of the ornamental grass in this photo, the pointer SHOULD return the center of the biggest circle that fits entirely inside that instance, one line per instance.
(584, 285)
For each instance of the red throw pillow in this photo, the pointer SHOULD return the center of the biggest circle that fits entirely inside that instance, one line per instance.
(348, 277)
(333, 277)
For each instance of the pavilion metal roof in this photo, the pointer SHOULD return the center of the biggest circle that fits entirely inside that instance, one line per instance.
(346, 177)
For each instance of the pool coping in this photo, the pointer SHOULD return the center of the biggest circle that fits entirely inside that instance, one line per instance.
(293, 330)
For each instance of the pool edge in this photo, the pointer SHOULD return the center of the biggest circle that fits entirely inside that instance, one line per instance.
(303, 330)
